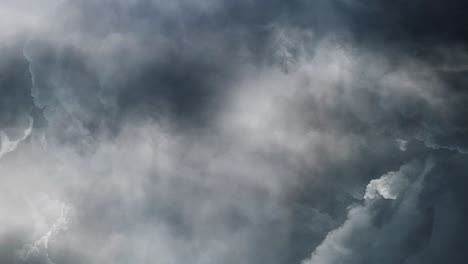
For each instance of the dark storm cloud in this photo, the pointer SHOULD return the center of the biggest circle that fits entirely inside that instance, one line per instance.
(377, 221)
(15, 85)
(234, 132)
(410, 24)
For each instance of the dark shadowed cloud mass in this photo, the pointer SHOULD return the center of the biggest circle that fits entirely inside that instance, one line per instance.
(216, 131)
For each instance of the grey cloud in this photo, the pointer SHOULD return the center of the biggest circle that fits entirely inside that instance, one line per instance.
(234, 132)
(368, 235)
(8, 145)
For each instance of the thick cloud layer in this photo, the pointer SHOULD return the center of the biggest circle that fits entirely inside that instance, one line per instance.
(218, 131)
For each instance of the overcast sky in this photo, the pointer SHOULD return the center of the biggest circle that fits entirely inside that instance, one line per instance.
(233, 132)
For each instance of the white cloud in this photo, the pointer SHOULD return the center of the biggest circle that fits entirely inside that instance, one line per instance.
(389, 186)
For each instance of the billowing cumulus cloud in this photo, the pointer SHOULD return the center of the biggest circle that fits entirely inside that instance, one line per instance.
(221, 131)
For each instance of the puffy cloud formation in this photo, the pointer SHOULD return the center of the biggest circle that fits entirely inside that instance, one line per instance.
(366, 236)
(218, 131)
